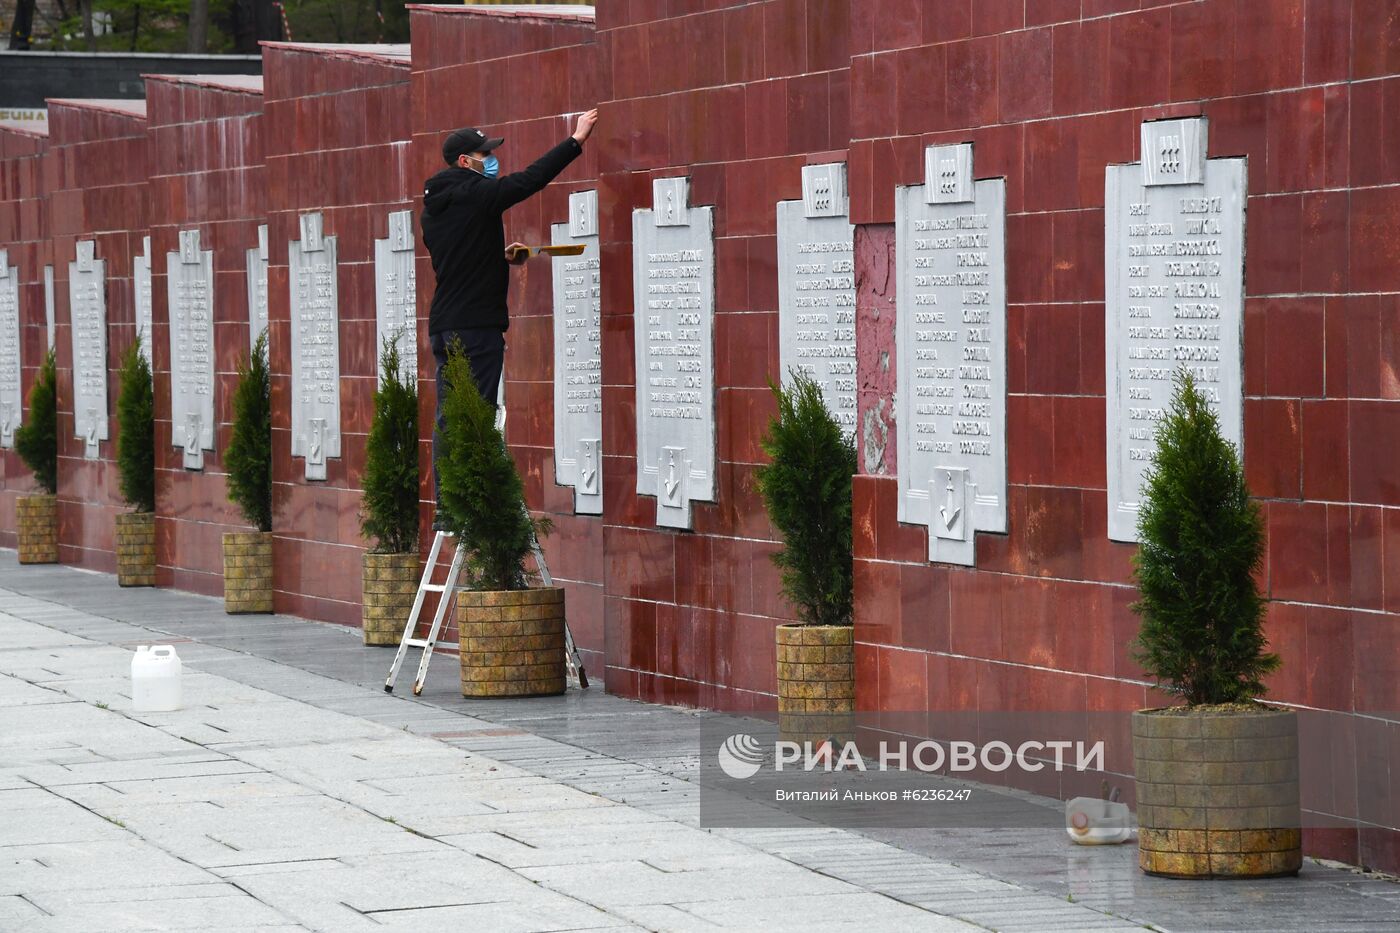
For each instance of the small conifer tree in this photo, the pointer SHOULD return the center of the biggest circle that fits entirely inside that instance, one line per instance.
(389, 513)
(136, 431)
(483, 498)
(248, 458)
(807, 492)
(1201, 540)
(36, 440)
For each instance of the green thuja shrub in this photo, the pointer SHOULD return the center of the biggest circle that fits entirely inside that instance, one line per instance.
(248, 458)
(807, 492)
(36, 440)
(136, 431)
(483, 498)
(389, 512)
(1202, 539)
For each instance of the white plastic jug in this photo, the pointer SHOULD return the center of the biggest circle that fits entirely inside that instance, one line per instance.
(155, 679)
(1091, 821)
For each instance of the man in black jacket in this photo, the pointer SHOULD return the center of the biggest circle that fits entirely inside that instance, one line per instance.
(462, 228)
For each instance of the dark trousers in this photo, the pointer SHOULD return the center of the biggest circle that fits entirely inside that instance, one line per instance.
(485, 348)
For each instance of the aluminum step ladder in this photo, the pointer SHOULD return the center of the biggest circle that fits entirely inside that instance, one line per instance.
(449, 589)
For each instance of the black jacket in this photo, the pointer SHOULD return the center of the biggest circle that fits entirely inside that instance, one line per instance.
(463, 232)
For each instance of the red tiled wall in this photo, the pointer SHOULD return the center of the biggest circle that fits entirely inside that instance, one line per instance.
(206, 174)
(518, 75)
(96, 179)
(739, 97)
(335, 135)
(24, 232)
(1051, 93)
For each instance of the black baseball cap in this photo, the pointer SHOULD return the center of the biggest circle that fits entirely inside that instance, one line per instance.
(466, 141)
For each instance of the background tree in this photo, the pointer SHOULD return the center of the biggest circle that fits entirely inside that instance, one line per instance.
(1201, 541)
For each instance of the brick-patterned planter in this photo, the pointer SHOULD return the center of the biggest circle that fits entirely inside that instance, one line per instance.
(136, 549)
(248, 571)
(512, 642)
(1217, 793)
(37, 517)
(390, 583)
(816, 683)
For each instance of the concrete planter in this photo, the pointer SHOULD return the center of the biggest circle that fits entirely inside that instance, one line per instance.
(816, 683)
(136, 549)
(512, 642)
(390, 583)
(1217, 793)
(37, 517)
(248, 571)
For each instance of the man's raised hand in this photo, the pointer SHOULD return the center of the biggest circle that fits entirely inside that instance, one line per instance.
(584, 129)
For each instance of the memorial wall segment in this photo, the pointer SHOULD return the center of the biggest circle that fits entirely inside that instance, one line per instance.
(205, 134)
(690, 615)
(97, 171)
(23, 235)
(464, 59)
(1052, 95)
(336, 142)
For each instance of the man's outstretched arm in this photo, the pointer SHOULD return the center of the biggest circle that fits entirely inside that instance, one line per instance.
(513, 188)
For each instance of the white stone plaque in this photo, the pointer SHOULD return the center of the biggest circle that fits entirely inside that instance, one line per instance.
(189, 278)
(395, 290)
(141, 290)
(817, 289)
(673, 266)
(578, 370)
(87, 306)
(257, 288)
(48, 304)
(11, 392)
(315, 347)
(1174, 297)
(951, 333)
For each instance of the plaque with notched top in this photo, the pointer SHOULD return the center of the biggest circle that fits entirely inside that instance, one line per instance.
(141, 288)
(1174, 297)
(11, 393)
(189, 282)
(673, 268)
(817, 290)
(578, 369)
(315, 347)
(950, 330)
(87, 307)
(396, 293)
(256, 265)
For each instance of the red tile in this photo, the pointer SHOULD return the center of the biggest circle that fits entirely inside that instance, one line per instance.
(1202, 50)
(1375, 426)
(1297, 551)
(972, 68)
(1324, 429)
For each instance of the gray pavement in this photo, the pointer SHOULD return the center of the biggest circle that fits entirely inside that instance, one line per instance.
(291, 792)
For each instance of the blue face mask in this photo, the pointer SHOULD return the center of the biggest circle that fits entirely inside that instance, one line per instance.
(490, 166)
